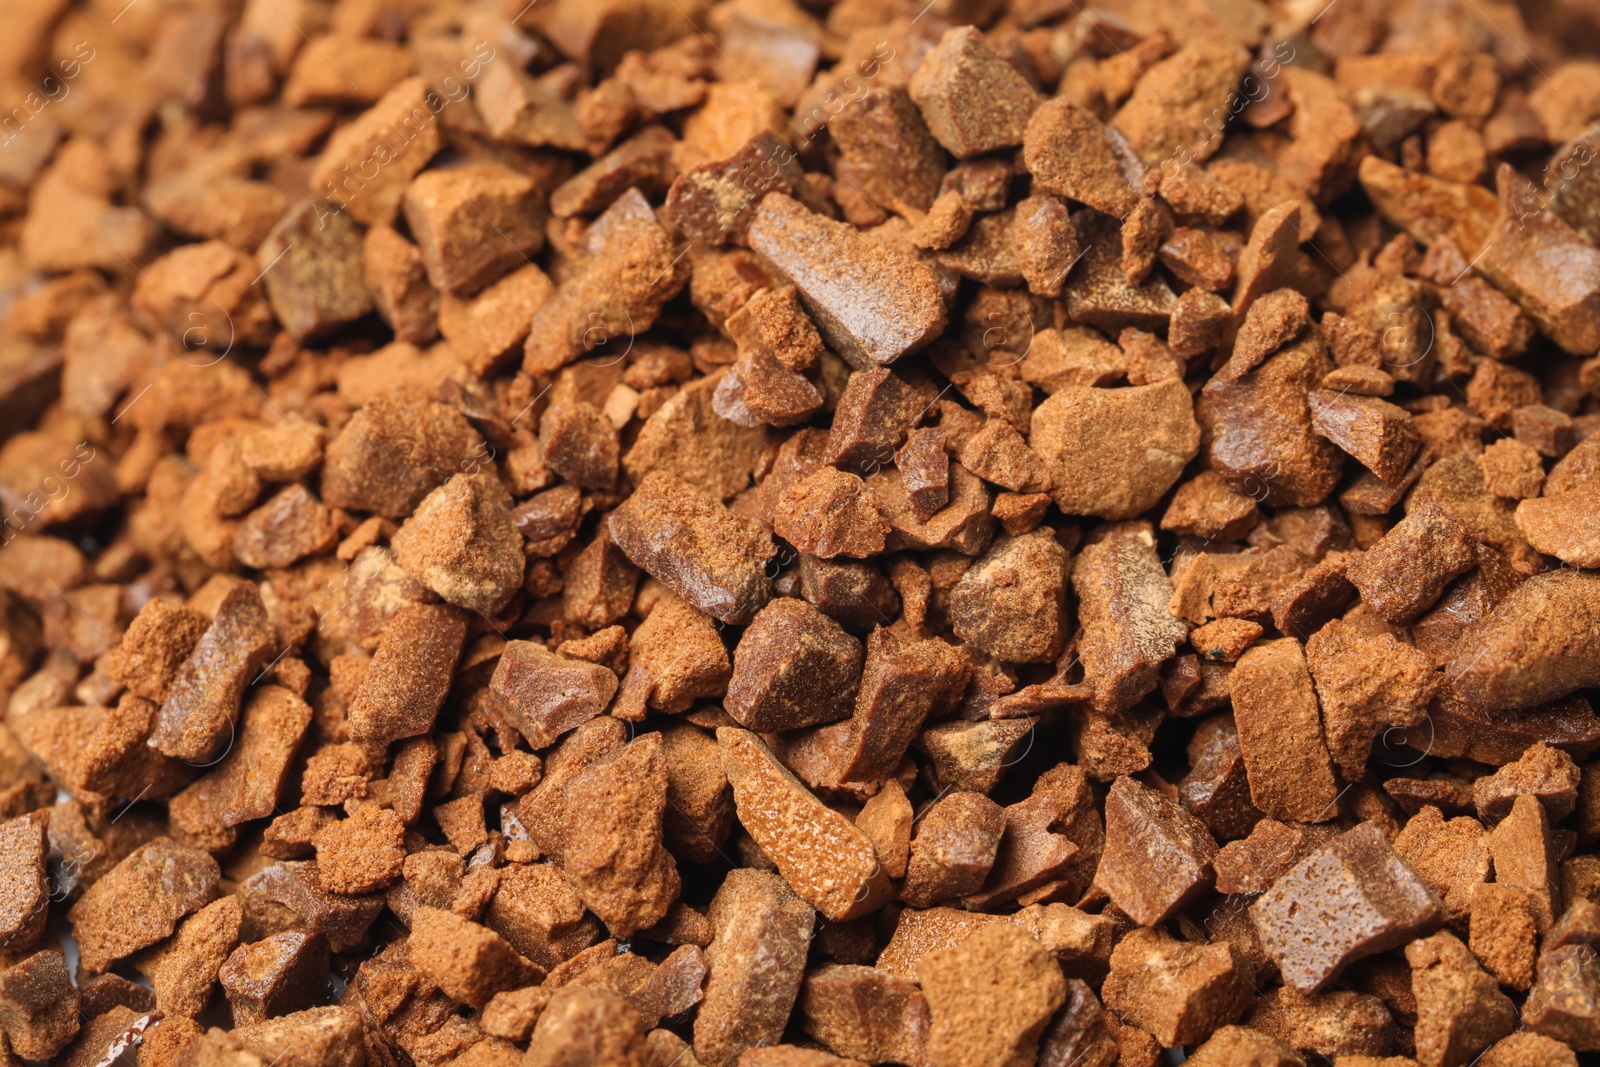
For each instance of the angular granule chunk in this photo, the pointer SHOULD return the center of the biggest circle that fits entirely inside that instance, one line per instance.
(580, 444)
(1046, 243)
(957, 838)
(1366, 685)
(699, 811)
(1115, 452)
(1251, 865)
(1544, 772)
(924, 472)
(1157, 856)
(461, 544)
(274, 976)
(1242, 1046)
(1260, 432)
(1178, 992)
(1374, 431)
(1127, 630)
(1528, 1049)
(393, 452)
(1563, 1004)
(393, 272)
(247, 782)
(1544, 265)
(154, 647)
(471, 963)
(1503, 934)
(773, 322)
(375, 200)
(674, 658)
(989, 998)
(1217, 788)
(602, 824)
(997, 453)
(1197, 322)
(1563, 525)
(886, 819)
(38, 1005)
(1066, 150)
(756, 961)
(865, 1013)
(824, 858)
(313, 264)
(972, 99)
(1523, 853)
(872, 301)
(1404, 574)
(331, 1036)
(537, 911)
(1207, 506)
(1538, 644)
(203, 700)
(1011, 602)
(1351, 898)
(484, 329)
(1512, 469)
(474, 223)
(715, 202)
(793, 667)
(24, 887)
(548, 695)
(1460, 1009)
(583, 1025)
(140, 900)
(1173, 111)
(876, 411)
(362, 853)
(1451, 856)
(963, 525)
(183, 970)
(406, 682)
(886, 151)
(831, 513)
(292, 525)
(710, 557)
(600, 583)
(1334, 1024)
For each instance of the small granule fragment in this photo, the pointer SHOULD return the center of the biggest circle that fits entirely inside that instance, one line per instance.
(1404, 574)
(165, 879)
(1172, 112)
(1046, 243)
(603, 825)
(1224, 639)
(362, 853)
(1242, 1046)
(537, 911)
(1157, 856)
(1020, 513)
(375, 200)
(989, 998)
(755, 964)
(38, 1005)
(710, 557)
(292, 525)
(876, 411)
(1523, 853)
(312, 263)
(203, 699)
(1197, 323)
(1544, 772)
(924, 472)
(154, 647)
(246, 783)
(183, 970)
(393, 452)
(1115, 452)
(1252, 864)
(546, 694)
(1451, 856)
(1564, 302)
(773, 322)
(393, 273)
(484, 329)
(1546, 430)
(1512, 469)
(1528, 1049)
(1128, 631)
(1352, 897)
(461, 544)
(1366, 685)
(1066, 150)
(872, 301)
(972, 99)
(406, 681)
(1536, 645)
(831, 513)
(580, 444)
(902, 683)
(715, 202)
(1011, 602)
(274, 976)
(473, 223)
(886, 819)
(793, 667)
(1207, 506)
(1375, 432)
(470, 962)
(1178, 992)
(674, 658)
(1564, 525)
(824, 858)
(1460, 1009)
(1200, 258)
(24, 888)
(599, 584)
(1098, 293)
(865, 1013)
(335, 774)
(886, 154)
(1503, 934)
(1334, 1024)
(957, 838)
(1280, 733)
(944, 224)
(1144, 231)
